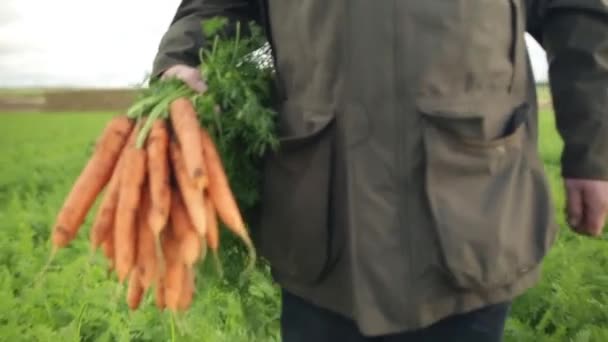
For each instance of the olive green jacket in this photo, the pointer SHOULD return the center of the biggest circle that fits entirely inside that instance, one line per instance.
(408, 186)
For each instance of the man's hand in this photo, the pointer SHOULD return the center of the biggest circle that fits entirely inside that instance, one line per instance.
(587, 205)
(191, 76)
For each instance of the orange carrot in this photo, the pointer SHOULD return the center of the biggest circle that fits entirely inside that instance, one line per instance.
(125, 234)
(159, 293)
(158, 168)
(157, 149)
(146, 252)
(174, 268)
(187, 293)
(185, 124)
(222, 197)
(91, 180)
(184, 231)
(104, 221)
(192, 197)
(213, 233)
(135, 291)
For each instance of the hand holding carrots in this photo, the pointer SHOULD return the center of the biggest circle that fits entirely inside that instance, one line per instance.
(165, 188)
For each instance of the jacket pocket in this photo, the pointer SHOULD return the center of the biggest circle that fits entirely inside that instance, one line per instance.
(488, 196)
(294, 233)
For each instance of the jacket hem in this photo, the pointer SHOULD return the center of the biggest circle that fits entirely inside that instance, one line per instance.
(429, 312)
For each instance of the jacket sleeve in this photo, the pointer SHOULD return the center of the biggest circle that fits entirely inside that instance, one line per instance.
(574, 34)
(181, 42)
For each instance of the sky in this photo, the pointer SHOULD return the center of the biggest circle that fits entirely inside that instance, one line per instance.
(84, 43)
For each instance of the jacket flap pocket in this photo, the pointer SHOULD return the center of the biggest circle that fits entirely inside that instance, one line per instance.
(294, 234)
(299, 125)
(475, 120)
(487, 199)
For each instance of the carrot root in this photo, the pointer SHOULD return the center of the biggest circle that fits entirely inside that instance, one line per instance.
(158, 168)
(160, 257)
(135, 291)
(125, 235)
(187, 291)
(185, 124)
(222, 197)
(147, 261)
(91, 181)
(191, 196)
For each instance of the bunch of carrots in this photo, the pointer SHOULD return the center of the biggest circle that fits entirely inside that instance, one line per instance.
(164, 192)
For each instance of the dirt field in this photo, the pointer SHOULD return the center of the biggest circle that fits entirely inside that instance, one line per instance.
(80, 100)
(65, 100)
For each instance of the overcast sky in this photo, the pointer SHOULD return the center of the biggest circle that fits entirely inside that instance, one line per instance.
(108, 43)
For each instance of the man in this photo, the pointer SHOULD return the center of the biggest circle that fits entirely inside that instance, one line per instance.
(408, 201)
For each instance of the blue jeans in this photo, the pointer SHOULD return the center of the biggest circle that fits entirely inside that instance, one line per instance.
(304, 322)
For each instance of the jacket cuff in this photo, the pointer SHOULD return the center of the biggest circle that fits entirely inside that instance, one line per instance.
(584, 162)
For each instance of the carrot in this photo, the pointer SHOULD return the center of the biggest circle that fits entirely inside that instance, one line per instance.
(125, 234)
(213, 234)
(187, 238)
(192, 247)
(159, 293)
(174, 268)
(222, 197)
(104, 220)
(108, 248)
(185, 125)
(187, 293)
(92, 179)
(191, 196)
(135, 291)
(158, 167)
(146, 249)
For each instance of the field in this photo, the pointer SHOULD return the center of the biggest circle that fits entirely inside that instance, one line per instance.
(41, 154)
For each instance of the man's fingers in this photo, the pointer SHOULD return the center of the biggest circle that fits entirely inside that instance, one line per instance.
(188, 75)
(196, 84)
(587, 205)
(594, 221)
(171, 72)
(595, 213)
(574, 206)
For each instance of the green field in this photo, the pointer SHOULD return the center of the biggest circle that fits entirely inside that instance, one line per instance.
(40, 155)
